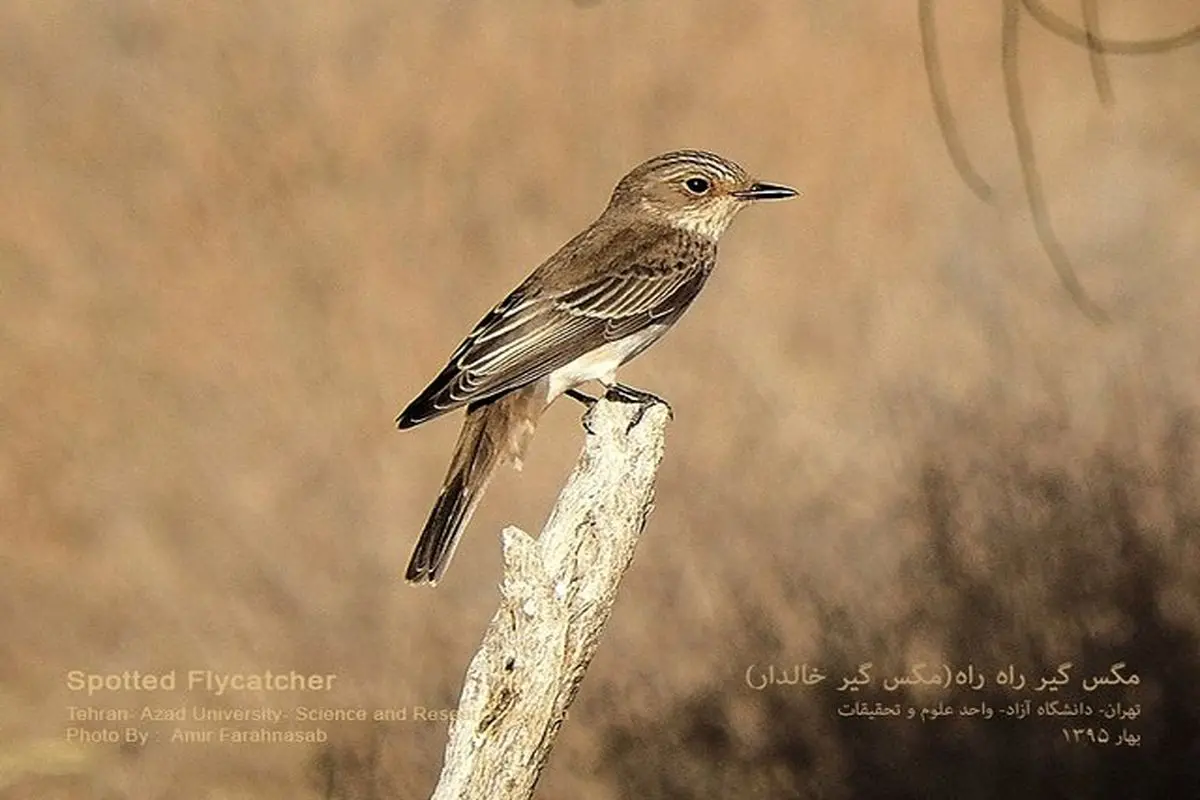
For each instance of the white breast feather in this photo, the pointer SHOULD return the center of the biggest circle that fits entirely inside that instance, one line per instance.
(600, 364)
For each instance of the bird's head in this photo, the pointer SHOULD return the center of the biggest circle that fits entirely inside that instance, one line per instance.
(691, 189)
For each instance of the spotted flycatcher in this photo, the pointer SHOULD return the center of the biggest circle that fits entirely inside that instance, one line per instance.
(606, 296)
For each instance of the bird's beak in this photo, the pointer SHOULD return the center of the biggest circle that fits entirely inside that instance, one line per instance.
(765, 191)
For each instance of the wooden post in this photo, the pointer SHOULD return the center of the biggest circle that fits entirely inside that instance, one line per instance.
(556, 596)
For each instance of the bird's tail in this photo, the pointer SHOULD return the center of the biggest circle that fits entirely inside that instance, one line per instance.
(491, 434)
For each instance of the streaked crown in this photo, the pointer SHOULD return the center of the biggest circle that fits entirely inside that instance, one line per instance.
(691, 189)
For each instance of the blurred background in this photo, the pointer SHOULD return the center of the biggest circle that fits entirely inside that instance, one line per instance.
(237, 237)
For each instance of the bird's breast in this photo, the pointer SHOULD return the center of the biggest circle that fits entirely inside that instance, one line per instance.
(601, 364)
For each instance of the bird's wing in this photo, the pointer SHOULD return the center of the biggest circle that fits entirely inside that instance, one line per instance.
(528, 336)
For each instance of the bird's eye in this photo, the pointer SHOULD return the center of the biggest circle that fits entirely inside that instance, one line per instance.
(697, 185)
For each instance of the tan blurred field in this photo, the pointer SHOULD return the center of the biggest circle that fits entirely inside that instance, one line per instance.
(236, 237)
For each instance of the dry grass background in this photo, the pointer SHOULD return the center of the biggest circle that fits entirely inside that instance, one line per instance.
(236, 237)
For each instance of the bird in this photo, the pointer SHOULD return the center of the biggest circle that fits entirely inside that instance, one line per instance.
(602, 299)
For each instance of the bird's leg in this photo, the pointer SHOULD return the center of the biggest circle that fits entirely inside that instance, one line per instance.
(582, 397)
(621, 393)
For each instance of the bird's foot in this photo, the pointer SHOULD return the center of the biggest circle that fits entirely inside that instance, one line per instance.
(589, 402)
(621, 393)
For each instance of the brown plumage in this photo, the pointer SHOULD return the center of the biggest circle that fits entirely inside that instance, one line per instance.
(604, 297)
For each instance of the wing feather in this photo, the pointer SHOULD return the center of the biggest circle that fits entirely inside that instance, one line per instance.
(528, 336)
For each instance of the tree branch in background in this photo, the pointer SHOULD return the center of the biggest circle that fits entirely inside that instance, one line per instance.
(1088, 37)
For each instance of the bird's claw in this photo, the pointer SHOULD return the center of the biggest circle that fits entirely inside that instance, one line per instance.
(587, 420)
(589, 402)
(621, 393)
